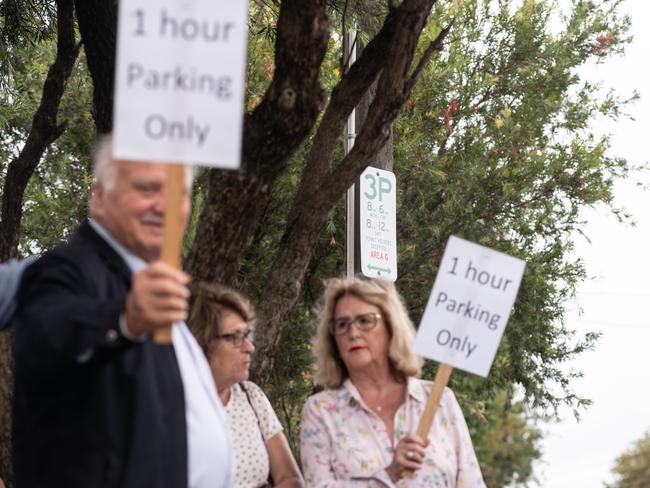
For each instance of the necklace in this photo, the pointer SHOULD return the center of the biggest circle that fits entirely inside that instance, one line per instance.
(387, 404)
(386, 401)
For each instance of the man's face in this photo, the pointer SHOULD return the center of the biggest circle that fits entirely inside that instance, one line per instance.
(133, 210)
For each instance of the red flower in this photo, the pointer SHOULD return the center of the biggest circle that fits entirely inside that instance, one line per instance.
(448, 112)
(603, 43)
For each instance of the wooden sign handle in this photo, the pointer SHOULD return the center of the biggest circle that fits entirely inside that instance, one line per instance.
(433, 402)
(173, 231)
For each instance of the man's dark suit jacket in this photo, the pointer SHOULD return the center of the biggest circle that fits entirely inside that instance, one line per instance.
(91, 408)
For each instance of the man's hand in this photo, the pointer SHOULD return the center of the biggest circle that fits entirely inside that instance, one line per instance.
(158, 297)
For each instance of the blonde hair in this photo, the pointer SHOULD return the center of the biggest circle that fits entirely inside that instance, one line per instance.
(208, 303)
(330, 369)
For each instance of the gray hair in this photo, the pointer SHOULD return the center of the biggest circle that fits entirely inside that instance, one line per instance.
(104, 170)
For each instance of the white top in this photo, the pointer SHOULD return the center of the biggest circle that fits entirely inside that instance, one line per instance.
(209, 451)
(249, 436)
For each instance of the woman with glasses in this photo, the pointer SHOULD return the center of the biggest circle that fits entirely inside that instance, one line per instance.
(359, 431)
(223, 323)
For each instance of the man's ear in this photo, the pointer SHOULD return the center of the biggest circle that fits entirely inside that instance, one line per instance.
(96, 200)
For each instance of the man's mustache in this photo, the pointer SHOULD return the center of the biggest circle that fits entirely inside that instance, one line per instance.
(151, 218)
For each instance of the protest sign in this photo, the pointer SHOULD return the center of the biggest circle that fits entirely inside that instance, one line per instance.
(469, 306)
(467, 312)
(179, 85)
(377, 226)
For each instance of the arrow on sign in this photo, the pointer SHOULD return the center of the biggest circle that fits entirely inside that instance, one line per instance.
(385, 270)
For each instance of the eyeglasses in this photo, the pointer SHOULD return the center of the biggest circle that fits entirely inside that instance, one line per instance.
(365, 321)
(237, 338)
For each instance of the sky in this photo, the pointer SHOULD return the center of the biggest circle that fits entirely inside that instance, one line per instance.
(614, 301)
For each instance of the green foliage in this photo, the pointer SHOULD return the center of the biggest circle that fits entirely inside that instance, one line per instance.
(57, 194)
(495, 147)
(23, 22)
(291, 383)
(509, 442)
(632, 468)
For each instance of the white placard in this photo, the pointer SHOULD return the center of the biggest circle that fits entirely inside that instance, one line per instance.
(179, 86)
(377, 226)
(469, 306)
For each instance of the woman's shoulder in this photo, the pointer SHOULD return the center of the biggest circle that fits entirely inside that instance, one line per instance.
(253, 391)
(422, 388)
(262, 408)
(251, 387)
(327, 396)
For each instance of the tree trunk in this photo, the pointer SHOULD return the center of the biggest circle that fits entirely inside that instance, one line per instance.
(6, 389)
(97, 21)
(44, 131)
(389, 53)
(272, 133)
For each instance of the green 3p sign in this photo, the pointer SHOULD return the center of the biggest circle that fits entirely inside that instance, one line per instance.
(378, 222)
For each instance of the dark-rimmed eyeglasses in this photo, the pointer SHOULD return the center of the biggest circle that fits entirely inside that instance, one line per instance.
(365, 321)
(237, 338)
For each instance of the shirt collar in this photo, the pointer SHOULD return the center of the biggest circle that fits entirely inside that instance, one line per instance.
(349, 393)
(417, 390)
(132, 261)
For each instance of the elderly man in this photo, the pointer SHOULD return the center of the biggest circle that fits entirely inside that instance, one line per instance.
(97, 403)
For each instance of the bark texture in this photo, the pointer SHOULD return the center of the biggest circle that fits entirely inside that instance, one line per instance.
(97, 20)
(6, 388)
(43, 132)
(272, 133)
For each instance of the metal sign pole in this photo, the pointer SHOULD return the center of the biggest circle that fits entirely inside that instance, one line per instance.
(350, 46)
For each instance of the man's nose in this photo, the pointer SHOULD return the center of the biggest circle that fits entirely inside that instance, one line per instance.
(159, 203)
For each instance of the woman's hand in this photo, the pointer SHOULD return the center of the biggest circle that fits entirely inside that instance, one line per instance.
(409, 454)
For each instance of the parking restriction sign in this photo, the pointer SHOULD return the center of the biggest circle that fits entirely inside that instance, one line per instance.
(377, 190)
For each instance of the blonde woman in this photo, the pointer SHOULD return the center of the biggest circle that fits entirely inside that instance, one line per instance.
(358, 431)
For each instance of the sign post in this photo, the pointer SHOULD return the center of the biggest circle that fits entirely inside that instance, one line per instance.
(172, 235)
(433, 402)
(179, 93)
(350, 50)
(466, 314)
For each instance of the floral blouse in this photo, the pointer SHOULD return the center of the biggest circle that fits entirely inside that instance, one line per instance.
(344, 443)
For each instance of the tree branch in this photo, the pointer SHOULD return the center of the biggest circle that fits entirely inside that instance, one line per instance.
(345, 96)
(272, 133)
(321, 186)
(435, 45)
(98, 28)
(43, 132)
